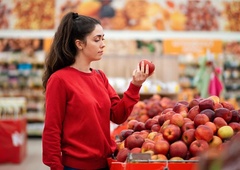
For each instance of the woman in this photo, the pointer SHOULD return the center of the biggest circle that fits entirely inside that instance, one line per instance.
(80, 102)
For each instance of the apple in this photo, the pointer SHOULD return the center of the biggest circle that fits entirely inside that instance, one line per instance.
(150, 122)
(206, 104)
(136, 150)
(210, 113)
(157, 137)
(142, 133)
(131, 123)
(161, 147)
(225, 132)
(235, 116)
(125, 133)
(134, 141)
(176, 158)
(219, 122)
(235, 126)
(181, 108)
(178, 149)
(188, 136)
(164, 125)
(146, 63)
(161, 119)
(197, 147)
(177, 119)
(227, 105)
(212, 126)
(154, 110)
(139, 126)
(203, 132)
(156, 128)
(215, 142)
(215, 98)
(168, 115)
(143, 118)
(172, 133)
(161, 157)
(200, 119)
(120, 145)
(151, 135)
(122, 155)
(217, 105)
(193, 112)
(147, 146)
(224, 113)
(193, 102)
(188, 125)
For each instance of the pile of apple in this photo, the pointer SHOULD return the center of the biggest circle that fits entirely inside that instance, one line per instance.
(181, 132)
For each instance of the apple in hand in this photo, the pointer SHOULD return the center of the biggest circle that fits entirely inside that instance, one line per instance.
(197, 147)
(146, 62)
(178, 149)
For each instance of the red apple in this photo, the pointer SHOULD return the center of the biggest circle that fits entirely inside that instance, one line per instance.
(224, 113)
(188, 136)
(168, 115)
(125, 133)
(219, 122)
(134, 141)
(142, 133)
(161, 157)
(197, 147)
(161, 119)
(151, 135)
(235, 116)
(210, 113)
(227, 105)
(131, 123)
(156, 128)
(139, 126)
(143, 63)
(122, 154)
(186, 119)
(164, 125)
(147, 146)
(235, 126)
(212, 126)
(203, 132)
(181, 108)
(161, 147)
(158, 137)
(215, 98)
(206, 104)
(215, 142)
(193, 112)
(193, 102)
(188, 125)
(225, 132)
(172, 133)
(177, 119)
(200, 119)
(150, 122)
(136, 150)
(217, 105)
(178, 149)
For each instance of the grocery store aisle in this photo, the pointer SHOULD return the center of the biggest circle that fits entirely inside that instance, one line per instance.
(33, 161)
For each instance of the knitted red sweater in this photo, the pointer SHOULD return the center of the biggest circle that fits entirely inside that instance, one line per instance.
(79, 107)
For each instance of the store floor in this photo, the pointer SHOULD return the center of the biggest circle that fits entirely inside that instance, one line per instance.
(33, 161)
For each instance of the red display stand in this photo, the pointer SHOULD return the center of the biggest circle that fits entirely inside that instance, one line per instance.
(13, 140)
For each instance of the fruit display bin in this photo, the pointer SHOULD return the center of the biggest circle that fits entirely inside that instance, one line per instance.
(158, 165)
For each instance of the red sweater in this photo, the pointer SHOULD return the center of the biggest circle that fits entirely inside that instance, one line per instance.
(79, 107)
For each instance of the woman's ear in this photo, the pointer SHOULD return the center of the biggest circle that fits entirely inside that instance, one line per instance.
(79, 44)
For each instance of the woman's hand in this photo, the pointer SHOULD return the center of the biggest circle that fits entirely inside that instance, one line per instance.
(140, 74)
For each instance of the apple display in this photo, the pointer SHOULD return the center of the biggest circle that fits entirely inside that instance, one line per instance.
(178, 149)
(203, 132)
(161, 147)
(143, 63)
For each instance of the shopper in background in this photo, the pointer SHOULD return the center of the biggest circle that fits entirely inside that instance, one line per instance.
(80, 102)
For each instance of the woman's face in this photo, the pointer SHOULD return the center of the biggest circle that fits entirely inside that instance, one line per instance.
(93, 49)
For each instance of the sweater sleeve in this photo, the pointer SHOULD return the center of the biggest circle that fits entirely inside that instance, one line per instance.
(121, 108)
(51, 137)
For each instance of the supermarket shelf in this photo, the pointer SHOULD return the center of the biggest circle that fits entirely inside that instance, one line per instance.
(126, 34)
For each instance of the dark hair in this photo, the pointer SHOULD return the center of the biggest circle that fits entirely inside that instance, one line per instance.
(63, 50)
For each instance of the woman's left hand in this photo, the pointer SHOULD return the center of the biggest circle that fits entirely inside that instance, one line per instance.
(140, 74)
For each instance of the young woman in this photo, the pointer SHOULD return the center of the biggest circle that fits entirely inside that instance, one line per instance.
(80, 102)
